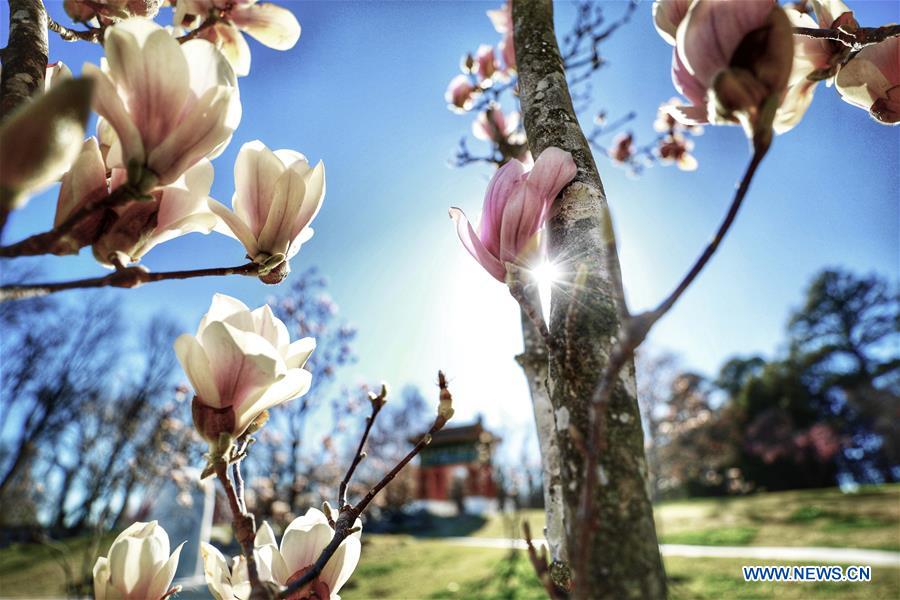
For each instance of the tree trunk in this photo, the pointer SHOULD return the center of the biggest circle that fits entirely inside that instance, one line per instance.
(25, 55)
(623, 553)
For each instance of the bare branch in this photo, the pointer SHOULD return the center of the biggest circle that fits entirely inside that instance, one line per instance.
(127, 277)
(44, 243)
(345, 525)
(855, 40)
(92, 34)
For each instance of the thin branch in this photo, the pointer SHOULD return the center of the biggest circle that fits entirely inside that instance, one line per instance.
(43, 243)
(206, 24)
(855, 40)
(127, 277)
(243, 522)
(634, 331)
(92, 34)
(541, 566)
(345, 525)
(378, 401)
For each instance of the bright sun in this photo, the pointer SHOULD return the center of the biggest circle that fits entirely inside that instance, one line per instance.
(546, 274)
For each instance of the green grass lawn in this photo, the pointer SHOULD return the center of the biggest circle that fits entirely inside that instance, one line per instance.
(422, 566)
(406, 567)
(869, 518)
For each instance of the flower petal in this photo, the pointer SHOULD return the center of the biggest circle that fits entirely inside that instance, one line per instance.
(274, 26)
(471, 243)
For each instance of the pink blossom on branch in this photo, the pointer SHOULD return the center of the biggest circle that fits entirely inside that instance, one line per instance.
(516, 206)
(871, 80)
(170, 104)
(240, 364)
(460, 94)
(732, 61)
(493, 126)
(85, 182)
(303, 541)
(107, 11)
(272, 25)
(171, 211)
(277, 195)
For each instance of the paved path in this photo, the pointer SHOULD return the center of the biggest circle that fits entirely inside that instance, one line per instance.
(855, 556)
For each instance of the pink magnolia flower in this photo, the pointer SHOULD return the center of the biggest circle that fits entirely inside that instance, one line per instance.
(493, 126)
(485, 62)
(667, 15)
(277, 195)
(622, 150)
(732, 57)
(272, 25)
(85, 182)
(170, 104)
(108, 11)
(460, 94)
(502, 21)
(871, 80)
(174, 210)
(516, 206)
(675, 148)
(241, 363)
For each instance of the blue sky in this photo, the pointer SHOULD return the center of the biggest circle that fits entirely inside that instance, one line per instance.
(363, 91)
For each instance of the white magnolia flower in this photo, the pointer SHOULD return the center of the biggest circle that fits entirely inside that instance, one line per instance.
(174, 210)
(170, 104)
(272, 25)
(277, 195)
(241, 363)
(138, 566)
(302, 543)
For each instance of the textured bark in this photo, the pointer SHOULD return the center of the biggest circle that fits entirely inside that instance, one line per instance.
(534, 362)
(623, 559)
(25, 56)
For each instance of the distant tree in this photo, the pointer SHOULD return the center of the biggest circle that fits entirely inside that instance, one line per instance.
(846, 337)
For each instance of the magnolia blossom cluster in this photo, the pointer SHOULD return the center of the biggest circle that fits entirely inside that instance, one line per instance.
(222, 21)
(516, 207)
(302, 542)
(167, 106)
(738, 61)
(481, 71)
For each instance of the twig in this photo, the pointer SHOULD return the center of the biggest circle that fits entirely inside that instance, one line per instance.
(378, 401)
(344, 526)
(92, 34)
(855, 40)
(43, 243)
(206, 24)
(541, 566)
(634, 331)
(127, 277)
(243, 522)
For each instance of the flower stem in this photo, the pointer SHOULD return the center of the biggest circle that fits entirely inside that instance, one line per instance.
(243, 522)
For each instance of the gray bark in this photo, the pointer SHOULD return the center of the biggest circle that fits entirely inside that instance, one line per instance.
(622, 555)
(25, 55)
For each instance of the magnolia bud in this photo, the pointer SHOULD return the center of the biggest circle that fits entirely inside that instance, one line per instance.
(211, 422)
(277, 274)
(52, 127)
